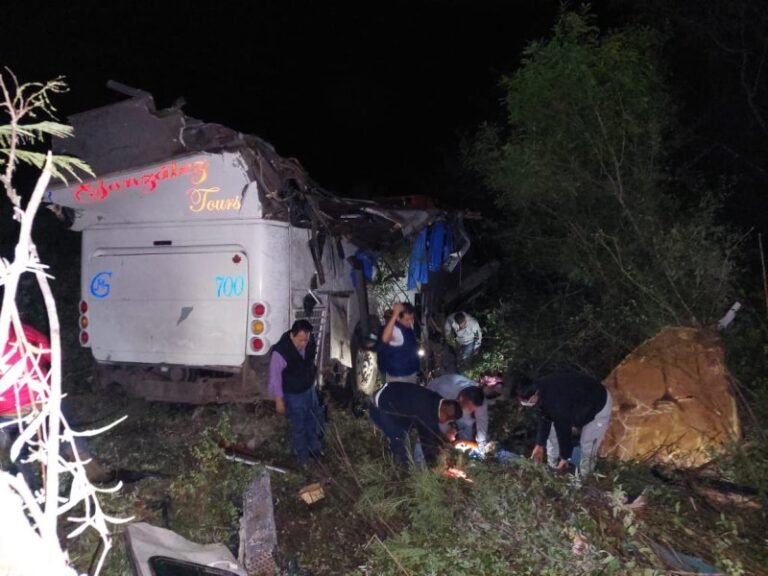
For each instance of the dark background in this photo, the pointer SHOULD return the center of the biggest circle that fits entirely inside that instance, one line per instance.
(376, 99)
(372, 98)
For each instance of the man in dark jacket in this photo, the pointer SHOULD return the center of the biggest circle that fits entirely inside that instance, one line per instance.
(292, 385)
(399, 406)
(566, 401)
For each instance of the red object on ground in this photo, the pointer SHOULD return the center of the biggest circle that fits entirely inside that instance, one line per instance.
(458, 474)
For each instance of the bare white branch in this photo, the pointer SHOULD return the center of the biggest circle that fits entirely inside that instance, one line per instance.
(29, 542)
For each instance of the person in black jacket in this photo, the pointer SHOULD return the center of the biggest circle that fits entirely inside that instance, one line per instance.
(292, 385)
(399, 406)
(566, 401)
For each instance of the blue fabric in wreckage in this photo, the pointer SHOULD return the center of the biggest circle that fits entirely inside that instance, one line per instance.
(440, 245)
(431, 248)
(418, 269)
(367, 262)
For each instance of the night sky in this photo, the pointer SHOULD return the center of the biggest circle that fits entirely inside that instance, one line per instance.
(372, 98)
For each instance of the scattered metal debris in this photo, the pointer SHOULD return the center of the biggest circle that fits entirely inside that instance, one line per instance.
(243, 455)
(258, 532)
(147, 545)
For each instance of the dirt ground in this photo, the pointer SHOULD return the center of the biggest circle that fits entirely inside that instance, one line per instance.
(175, 476)
(154, 449)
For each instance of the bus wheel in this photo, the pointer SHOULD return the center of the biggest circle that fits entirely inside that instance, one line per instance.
(366, 371)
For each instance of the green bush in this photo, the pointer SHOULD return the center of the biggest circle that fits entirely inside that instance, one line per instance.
(603, 245)
(207, 498)
(517, 520)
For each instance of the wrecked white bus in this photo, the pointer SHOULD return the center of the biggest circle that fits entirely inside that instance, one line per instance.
(200, 247)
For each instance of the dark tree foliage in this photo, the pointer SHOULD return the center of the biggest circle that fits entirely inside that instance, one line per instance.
(716, 53)
(604, 251)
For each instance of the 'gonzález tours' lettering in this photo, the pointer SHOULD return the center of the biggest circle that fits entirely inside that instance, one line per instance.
(197, 170)
(201, 199)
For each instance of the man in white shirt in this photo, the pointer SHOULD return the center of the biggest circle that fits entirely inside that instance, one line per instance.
(463, 332)
(473, 404)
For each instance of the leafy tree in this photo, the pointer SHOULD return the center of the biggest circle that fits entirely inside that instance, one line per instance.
(594, 222)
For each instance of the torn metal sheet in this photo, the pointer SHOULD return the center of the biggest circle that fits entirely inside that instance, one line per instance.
(340, 338)
(258, 532)
(146, 542)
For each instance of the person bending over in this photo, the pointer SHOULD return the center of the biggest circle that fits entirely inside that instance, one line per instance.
(566, 401)
(473, 425)
(400, 406)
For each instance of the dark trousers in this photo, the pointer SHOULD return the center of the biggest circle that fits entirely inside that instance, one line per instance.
(303, 411)
(395, 432)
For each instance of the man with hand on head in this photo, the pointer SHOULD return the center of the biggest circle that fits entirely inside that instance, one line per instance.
(398, 349)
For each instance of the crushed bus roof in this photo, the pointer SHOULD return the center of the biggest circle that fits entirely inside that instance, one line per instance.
(164, 166)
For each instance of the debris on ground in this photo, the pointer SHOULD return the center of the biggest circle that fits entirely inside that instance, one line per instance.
(311, 493)
(580, 545)
(244, 455)
(150, 545)
(258, 533)
(677, 561)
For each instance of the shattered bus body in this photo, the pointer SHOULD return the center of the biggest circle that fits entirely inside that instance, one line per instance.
(202, 245)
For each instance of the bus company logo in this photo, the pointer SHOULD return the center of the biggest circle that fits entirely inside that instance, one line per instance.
(196, 170)
(100, 284)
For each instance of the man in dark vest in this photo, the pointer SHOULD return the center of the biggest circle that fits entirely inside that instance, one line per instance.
(399, 406)
(291, 384)
(398, 350)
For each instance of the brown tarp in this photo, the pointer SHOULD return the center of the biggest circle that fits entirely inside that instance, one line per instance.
(672, 400)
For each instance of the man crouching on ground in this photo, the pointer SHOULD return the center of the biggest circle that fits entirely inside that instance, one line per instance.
(399, 406)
